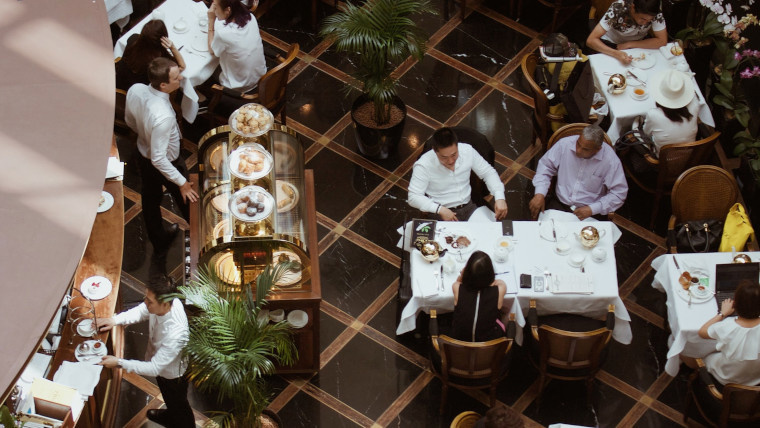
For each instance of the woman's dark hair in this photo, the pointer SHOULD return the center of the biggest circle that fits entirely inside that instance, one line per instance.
(747, 299)
(647, 7)
(147, 47)
(676, 114)
(239, 13)
(478, 272)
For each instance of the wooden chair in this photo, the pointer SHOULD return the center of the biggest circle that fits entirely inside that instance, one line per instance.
(470, 365)
(673, 160)
(270, 92)
(701, 192)
(736, 403)
(572, 352)
(571, 129)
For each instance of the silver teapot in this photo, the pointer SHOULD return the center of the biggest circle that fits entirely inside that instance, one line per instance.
(429, 249)
(742, 258)
(616, 84)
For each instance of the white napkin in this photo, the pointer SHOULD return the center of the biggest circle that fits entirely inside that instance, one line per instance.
(571, 282)
(115, 169)
(665, 51)
(81, 376)
(427, 289)
(509, 279)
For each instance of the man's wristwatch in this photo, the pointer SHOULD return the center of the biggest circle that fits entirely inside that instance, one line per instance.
(721, 315)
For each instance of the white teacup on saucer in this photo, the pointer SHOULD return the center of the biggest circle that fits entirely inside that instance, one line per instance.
(598, 254)
(562, 247)
(576, 259)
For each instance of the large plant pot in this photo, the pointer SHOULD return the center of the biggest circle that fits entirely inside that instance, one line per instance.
(378, 143)
(275, 418)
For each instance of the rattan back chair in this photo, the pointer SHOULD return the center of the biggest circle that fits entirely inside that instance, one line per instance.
(470, 365)
(700, 193)
(542, 119)
(737, 403)
(672, 161)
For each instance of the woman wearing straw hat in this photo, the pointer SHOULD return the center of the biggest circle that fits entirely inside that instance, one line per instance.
(674, 119)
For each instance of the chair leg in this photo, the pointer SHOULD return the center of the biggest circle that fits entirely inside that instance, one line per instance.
(541, 384)
(282, 116)
(444, 396)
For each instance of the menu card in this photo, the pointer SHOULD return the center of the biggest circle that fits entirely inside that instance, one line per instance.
(423, 228)
(571, 282)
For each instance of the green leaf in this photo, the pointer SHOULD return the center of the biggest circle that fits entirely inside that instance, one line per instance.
(724, 101)
(743, 117)
(739, 149)
(725, 90)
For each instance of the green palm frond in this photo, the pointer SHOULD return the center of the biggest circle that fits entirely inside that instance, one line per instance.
(228, 350)
(381, 35)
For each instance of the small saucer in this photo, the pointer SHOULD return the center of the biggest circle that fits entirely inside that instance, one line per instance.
(561, 253)
(639, 98)
(573, 260)
(83, 328)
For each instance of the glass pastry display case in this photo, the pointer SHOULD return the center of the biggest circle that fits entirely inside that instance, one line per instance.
(256, 208)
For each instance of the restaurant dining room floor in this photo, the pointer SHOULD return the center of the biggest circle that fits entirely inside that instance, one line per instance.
(368, 375)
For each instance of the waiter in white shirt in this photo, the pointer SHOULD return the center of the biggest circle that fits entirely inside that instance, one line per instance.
(150, 114)
(168, 334)
(440, 181)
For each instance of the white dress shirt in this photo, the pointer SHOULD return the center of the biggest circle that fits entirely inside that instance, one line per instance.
(738, 356)
(241, 54)
(664, 132)
(446, 187)
(150, 114)
(598, 182)
(167, 336)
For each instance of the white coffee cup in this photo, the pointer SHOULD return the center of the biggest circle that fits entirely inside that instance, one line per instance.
(277, 315)
(599, 254)
(563, 246)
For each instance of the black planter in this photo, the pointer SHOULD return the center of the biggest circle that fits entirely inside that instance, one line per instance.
(274, 417)
(378, 143)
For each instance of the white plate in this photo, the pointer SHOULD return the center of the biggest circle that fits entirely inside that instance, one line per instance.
(221, 228)
(572, 256)
(259, 112)
(252, 192)
(106, 202)
(251, 150)
(694, 298)
(454, 234)
(92, 355)
(648, 62)
(200, 44)
(295, 316)
(83, 328)
(638, 98)
(96, 287)
(545, 230)
(286, 202)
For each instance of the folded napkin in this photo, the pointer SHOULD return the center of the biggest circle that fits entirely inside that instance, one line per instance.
(81, 376)
(665, 51)
(509, 279)
(115, 168)
(572, 282)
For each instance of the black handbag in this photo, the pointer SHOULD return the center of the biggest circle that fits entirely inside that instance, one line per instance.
(699, 236)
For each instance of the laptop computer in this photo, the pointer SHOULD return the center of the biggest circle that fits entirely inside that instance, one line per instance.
(729, 275)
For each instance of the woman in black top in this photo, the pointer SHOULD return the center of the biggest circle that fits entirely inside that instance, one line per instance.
(477, 301)
(152, 42)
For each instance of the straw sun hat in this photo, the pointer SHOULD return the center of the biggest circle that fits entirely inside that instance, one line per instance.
(672, 88)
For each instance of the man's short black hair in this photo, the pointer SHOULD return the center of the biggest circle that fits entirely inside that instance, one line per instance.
(158, 71)
(161, 286)
(444, 137)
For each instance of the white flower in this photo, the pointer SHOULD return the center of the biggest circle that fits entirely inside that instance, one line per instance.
(706, 3)
(717, 8)
(724, 19)
(729, 9)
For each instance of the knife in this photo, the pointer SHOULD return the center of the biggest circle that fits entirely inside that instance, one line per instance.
(554, 232)
(442, 288)
(676, 263)
(643, 83)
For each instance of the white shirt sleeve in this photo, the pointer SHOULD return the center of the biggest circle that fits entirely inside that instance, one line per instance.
(159, 143)
(137, 314)
(487, 173)
(171, 346)
(417, 186)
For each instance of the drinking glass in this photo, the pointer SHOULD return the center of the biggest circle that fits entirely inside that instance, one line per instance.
(677, 47)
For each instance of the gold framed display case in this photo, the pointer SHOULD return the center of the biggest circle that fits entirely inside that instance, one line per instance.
(253, 206)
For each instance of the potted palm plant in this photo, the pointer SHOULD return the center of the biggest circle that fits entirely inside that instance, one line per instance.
(379, 35)
(230, 350)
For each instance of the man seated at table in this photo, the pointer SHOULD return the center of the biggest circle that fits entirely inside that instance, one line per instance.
(590, 177)
(626, 25)
(440, 181)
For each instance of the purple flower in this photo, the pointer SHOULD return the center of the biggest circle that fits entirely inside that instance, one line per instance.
(737, 56)
(747, 52)
(756, 53)
(756, 70)
(746, 73)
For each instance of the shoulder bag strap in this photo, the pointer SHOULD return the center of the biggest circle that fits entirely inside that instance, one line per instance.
(475, 318)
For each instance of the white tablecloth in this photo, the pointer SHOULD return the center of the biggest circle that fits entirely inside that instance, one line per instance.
(118, 10)
(532, 255)
(623, 108)
(200, 63)
(686, 321)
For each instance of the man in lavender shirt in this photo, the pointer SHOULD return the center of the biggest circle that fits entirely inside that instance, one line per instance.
(590, 178)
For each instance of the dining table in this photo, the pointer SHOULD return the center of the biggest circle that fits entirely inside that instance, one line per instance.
(118, 11)
(688, 313)
(533, 253)
(624, 107)
(183, 19)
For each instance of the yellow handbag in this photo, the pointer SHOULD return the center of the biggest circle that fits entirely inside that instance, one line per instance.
(736, 229)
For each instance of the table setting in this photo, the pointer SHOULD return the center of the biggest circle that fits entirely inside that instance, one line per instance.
(187, 24)
(625, 86)
(574, 260)
(688, 280)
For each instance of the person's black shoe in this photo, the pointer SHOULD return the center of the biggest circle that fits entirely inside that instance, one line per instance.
(158, 416)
